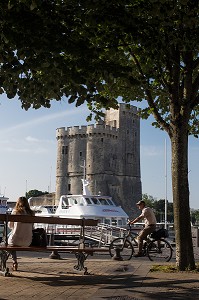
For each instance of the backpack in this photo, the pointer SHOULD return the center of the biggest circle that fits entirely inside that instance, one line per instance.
(160, 233)
(39, 237)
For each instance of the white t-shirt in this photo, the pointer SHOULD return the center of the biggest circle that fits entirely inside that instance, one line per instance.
(149, 216)
(21, 234)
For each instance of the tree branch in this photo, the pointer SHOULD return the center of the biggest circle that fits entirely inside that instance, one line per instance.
(150, 101)
(194, 98)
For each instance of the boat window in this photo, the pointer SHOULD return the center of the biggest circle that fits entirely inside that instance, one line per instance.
(95, 201)
(119, 222)
(103, 201)
(64, 203)
(88, 201)
(73, 201)
(114, 222)
(3, 203)
(110, 202)
(124, 221)
(107, 221)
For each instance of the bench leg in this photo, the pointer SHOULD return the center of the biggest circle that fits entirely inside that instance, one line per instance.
(4, 271)
(81, 257)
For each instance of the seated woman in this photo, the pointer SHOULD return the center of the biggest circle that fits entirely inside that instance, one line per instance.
(21, 233)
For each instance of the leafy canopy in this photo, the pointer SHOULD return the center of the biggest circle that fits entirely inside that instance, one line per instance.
(35, 193)
(98, 50)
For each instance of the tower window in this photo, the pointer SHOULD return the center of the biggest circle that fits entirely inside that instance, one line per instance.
(80, 153)
(64, 149)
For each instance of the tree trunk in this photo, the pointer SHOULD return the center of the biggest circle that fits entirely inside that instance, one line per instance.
(180, 185)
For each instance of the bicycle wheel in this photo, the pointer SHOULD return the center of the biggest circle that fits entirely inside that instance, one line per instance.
(159, 250)
(126, 248)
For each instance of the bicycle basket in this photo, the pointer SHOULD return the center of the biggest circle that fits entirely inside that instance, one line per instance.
(160, 233)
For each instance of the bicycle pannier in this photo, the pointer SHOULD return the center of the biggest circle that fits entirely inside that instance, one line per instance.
(160, 233)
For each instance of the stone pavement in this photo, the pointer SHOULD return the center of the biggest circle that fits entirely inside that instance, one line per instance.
(42, 278)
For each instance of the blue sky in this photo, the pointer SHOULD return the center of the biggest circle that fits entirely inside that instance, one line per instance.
(28, 151)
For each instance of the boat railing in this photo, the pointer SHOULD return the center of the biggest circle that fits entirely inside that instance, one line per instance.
(106, 233)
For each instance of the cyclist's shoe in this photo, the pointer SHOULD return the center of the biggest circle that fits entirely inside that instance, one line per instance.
(138, 255)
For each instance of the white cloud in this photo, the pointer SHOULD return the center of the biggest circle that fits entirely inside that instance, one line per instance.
(35, 150)
(41, 120)
(16, 150)
(28, 144)
(31, 139)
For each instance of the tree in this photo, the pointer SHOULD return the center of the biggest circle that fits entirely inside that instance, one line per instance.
(97, 51)
(195, 216)
(35, 193)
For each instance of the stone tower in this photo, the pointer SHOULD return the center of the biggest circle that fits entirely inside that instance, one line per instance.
(110, 151)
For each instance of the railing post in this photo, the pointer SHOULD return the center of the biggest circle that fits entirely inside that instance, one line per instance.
(82, 235)
(6, 230)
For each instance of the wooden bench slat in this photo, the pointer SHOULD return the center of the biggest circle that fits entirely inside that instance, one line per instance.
(47, 220)
(54, 248)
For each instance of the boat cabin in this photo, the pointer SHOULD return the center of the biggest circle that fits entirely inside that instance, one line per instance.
(97, 207)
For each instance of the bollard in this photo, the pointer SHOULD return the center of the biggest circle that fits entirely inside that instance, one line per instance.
(117, 255)
(54, 254)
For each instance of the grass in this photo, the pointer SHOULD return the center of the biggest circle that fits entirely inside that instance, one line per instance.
(171, 269)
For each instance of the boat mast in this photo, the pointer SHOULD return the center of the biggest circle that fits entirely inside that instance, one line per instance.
(85, 182)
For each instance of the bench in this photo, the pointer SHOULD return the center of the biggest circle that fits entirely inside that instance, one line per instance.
(81, 251)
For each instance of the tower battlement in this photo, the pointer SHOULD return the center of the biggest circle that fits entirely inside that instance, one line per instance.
(85, 130)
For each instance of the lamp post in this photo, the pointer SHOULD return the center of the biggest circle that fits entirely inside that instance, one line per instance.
(165, 208)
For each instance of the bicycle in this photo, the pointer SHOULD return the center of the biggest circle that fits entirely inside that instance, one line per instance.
(156, 247)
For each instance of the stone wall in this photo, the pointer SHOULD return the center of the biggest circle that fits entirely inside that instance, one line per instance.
(47, 199)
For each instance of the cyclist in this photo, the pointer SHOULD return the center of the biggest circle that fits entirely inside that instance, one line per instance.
(150, 224)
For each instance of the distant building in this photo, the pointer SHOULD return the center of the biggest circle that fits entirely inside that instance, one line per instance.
(45, 200)
(111, 152)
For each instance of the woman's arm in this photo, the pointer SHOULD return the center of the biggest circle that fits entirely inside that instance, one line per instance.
(11, 224)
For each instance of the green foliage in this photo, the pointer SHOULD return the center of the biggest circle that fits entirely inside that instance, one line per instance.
(195, 216)
(97, 51)
(35, 193)
(159, 208)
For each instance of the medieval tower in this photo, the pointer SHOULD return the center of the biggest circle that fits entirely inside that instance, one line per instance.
(110, 151)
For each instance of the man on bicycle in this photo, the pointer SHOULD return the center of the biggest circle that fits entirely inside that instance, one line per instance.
(150, 224)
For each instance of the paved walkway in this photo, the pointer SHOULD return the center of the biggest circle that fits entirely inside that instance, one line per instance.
(41, 278)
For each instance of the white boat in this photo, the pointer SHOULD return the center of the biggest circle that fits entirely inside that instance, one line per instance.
(91, 207)
(88, 206)
(46, 210)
